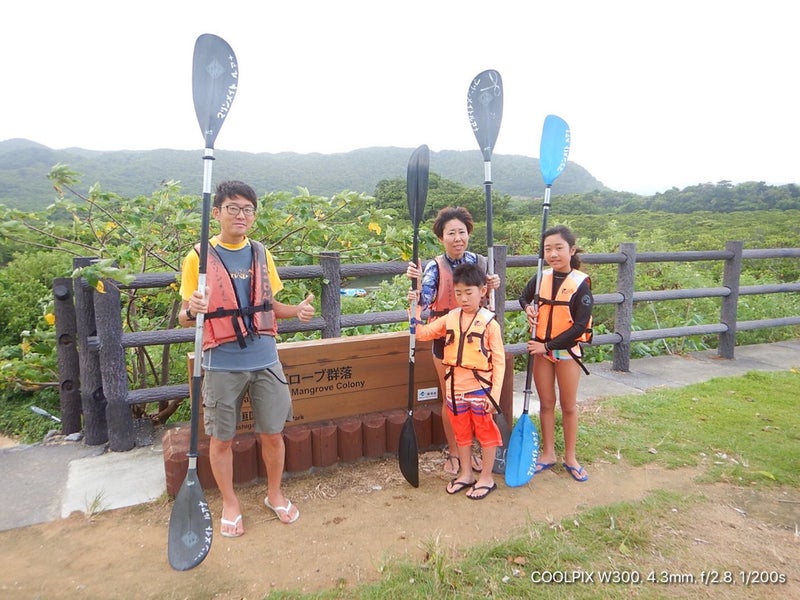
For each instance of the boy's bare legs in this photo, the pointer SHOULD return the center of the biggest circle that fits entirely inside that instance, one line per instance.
(486, 479)
(464, 475)
(450, 465)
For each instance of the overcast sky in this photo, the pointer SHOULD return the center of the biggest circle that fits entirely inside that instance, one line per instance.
(657, 94)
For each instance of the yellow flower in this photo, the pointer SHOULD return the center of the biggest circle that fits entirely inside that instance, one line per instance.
(374, 227)
(50, 318)
(100, 287)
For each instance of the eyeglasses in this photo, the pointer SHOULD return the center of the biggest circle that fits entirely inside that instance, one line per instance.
(234, 210)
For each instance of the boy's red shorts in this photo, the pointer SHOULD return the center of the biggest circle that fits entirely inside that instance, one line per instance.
(471, 419)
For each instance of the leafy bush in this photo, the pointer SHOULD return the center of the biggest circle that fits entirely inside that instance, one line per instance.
(152, 234)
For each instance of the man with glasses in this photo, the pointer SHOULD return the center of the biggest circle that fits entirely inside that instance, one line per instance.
(239, 349)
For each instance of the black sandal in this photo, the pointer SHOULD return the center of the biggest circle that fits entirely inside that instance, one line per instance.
(455, 486)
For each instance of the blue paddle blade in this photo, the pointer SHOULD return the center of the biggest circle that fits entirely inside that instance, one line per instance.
(554, 148)
(523, 450)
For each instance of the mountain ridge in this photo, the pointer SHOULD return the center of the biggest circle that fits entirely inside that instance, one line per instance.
(24, 165)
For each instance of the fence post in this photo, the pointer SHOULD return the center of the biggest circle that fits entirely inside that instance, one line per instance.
(626, 274)
(500, 293)
(93, 402)
(730, 303)
(331, 303)
(113, 368)
(69, 373)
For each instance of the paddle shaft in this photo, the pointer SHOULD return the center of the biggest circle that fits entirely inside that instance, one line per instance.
(485, 113)
(539, 268)
(417, 193)
(197, 370)
(215, 75)
(487, 186)
(553, 151)
(412, 323)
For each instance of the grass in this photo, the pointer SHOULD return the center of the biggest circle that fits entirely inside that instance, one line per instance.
(739, 430)
(95, 505)
(745, 430)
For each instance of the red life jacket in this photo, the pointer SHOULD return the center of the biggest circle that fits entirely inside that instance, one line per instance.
(225, 320)
(446, 294)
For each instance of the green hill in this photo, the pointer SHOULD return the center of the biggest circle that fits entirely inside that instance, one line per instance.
(24, 166)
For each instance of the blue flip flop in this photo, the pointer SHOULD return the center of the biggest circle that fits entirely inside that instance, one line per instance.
(576, 472)
(542, 467)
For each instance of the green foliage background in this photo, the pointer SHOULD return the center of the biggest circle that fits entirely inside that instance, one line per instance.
(153, 233)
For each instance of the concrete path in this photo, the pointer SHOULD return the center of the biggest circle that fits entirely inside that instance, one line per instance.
(48, 481)
(671, 371)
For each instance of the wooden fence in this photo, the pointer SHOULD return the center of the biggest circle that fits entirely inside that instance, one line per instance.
(91, 342)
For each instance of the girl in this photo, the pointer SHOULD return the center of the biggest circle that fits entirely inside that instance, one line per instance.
(560, 318)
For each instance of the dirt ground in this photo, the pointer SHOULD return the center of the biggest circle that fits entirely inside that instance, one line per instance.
(357, 519)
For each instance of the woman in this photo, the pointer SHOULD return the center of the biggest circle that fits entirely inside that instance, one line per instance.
(453, 226)
(561, 318)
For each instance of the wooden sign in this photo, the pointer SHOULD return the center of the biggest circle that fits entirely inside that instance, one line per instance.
(339, 377)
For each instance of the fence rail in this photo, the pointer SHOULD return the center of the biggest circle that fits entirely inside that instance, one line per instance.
(94, 383)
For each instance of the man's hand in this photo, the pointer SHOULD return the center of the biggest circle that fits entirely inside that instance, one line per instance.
(305, 310)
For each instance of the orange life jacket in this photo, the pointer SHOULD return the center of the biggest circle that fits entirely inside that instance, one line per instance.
(554, 315)
(225, 320)
(446, 294)
(466, 349)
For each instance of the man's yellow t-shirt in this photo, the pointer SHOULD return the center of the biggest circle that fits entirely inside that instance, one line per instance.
(191, 269)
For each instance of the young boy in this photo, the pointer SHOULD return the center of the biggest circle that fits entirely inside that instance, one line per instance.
(474, 360)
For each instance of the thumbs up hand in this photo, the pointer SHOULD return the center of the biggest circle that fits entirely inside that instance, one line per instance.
(305, 310)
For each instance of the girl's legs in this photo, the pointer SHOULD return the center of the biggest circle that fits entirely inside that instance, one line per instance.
(544, 376)
(568, 374)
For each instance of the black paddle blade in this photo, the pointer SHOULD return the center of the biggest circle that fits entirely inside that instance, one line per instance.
(215, 78)
(407, 452)
(485, 109)
(417, 183)
(190, 526)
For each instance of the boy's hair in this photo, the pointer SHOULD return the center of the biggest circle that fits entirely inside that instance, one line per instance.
(469, 274)
(229, 189)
